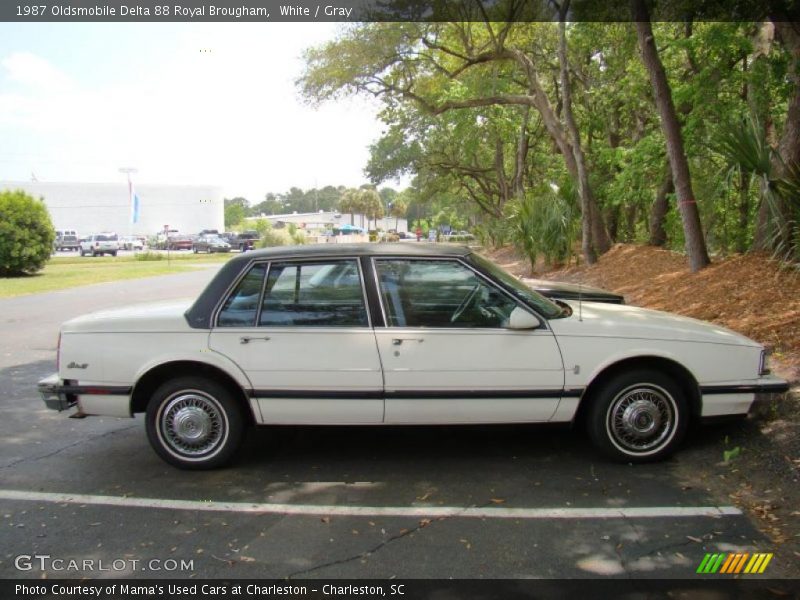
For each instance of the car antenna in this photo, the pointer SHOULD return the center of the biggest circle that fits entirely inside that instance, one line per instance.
(580, 302)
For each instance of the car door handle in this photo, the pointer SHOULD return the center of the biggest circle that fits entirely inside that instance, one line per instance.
(247, 339)
(399, 341)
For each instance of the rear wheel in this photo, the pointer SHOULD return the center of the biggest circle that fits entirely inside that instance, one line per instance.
(195, 423)
(638, 416)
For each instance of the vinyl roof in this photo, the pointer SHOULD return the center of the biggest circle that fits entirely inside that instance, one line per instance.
(365, 249)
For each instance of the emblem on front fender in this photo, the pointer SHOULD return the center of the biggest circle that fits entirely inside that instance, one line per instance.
(74, 365)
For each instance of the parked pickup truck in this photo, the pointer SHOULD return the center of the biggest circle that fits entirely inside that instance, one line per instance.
(246, 240)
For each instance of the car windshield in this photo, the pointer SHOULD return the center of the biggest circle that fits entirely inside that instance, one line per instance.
(106, 238)
(547, 308)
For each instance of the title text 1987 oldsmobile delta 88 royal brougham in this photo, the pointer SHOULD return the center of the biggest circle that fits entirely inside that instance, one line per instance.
(397, 334)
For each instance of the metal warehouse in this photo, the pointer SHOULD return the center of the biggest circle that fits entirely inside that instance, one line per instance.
(94, 207)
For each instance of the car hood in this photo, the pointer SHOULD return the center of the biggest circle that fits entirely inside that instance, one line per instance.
(621, 321)
(572, 291)
(158, 317)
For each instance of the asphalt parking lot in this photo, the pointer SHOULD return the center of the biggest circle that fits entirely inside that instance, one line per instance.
(477, 502)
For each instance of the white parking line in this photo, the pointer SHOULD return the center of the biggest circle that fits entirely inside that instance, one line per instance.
(492, 512)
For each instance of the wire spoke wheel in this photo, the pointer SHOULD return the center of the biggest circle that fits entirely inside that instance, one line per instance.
(192, 424)
(638, 415)
(195, 422)
(642, 419)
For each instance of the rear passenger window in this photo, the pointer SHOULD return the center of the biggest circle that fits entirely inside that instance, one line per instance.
(318, 294)
(241, 307)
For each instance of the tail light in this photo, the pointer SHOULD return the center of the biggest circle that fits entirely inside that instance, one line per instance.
(58, 353)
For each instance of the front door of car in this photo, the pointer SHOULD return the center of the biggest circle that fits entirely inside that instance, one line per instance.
(449, 355)
(301, 332)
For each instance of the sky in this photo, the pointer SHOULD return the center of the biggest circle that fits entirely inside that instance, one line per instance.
(183, 103)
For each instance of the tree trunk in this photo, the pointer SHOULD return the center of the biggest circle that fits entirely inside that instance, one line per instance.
(521, 157)
(555, 128)
(687, 206)
(789, 146)
(630, 221)
(612, 221)
(658, 212)
(744, 212)
(584, 191)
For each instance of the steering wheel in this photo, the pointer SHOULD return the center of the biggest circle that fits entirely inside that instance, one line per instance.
(468, 299)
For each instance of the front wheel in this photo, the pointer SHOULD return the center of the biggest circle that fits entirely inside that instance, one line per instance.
(638, 416)
(194, 423)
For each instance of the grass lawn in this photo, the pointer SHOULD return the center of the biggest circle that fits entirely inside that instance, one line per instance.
(68, 271)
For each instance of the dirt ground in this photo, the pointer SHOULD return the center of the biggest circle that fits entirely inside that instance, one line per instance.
(754, 462)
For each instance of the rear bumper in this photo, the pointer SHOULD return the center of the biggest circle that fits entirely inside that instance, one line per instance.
(54, 394)
(91, 399)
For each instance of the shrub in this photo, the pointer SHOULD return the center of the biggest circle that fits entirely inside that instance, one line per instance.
(26, 234)
(145, 256)
(288, 236)
(545, 224)
(274, 237)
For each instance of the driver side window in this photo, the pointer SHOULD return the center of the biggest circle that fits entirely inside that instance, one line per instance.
(439, 293)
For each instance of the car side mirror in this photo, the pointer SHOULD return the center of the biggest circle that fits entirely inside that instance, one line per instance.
(522, 319)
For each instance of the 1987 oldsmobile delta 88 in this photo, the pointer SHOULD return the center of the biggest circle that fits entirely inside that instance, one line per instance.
(397, 334)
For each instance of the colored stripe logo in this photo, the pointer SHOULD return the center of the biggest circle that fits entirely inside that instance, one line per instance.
(734, 563)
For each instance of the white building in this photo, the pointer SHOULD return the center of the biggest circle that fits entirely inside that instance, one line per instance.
(93, 207)
(316, 221)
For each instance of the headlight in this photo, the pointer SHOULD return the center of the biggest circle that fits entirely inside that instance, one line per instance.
(763, 368)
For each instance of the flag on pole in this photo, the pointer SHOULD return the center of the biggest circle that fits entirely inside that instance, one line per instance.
(135, 203)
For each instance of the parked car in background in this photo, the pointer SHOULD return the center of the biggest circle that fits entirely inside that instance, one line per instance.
(398, 334)
(67, 243)
(131, 242)
(458, 236)
(246, 240)
(62, 232)
(180, 242)
(99, 244)
(210, 243)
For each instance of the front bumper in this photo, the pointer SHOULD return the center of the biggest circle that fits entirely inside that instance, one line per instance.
(740, 398)
(55, 395)
(765, 397)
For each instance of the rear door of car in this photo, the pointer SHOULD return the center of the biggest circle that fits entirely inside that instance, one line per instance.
(301, 331)
(447, 353)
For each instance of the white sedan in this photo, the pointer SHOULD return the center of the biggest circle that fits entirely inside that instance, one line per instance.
(394, 334)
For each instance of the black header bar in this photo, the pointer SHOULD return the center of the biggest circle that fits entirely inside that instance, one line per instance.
(352, 11)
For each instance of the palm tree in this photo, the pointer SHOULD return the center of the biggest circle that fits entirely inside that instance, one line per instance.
(351, 202)
(399, 208)
(372, 205)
